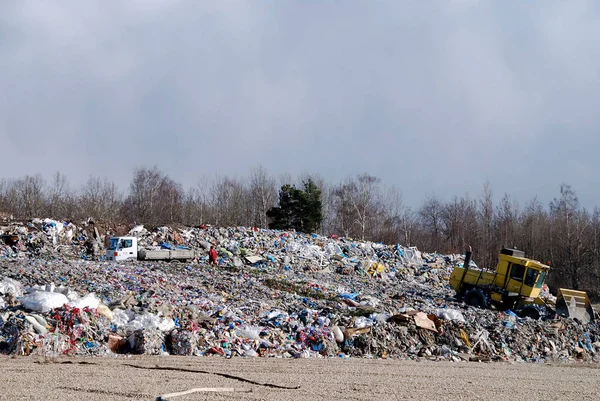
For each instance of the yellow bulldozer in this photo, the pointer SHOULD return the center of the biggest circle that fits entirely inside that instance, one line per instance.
(516, 284)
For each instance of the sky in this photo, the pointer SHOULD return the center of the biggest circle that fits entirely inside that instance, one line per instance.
(434, 97)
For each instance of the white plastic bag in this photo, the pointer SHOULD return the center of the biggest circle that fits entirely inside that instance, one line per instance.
(361, 322)
(43, 301)
(8, 286)
(250, 332)
(148, 322)
(451, 314)
(89, 301)
(120, 317)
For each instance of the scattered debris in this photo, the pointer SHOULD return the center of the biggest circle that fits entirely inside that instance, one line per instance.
(271, 294)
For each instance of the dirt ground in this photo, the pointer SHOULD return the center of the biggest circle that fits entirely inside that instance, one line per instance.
(257, 379)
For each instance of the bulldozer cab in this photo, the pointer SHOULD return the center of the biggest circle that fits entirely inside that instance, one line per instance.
(517, 281)
(520, 275)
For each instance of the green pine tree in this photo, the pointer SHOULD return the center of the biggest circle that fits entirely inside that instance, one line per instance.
(299, 210)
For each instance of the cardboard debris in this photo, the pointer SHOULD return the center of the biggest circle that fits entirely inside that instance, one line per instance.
(351, 332)
(253, 259)
(424, 322)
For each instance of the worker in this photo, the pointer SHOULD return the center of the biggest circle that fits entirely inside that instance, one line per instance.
(212, 255)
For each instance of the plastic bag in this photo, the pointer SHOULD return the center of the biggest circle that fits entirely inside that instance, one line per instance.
(120, 317)
(149, 321)
(89, 301)
(361, 322)
(451, 314)
(43, 301)
(8, 286)
(250, 332)
(69, 293)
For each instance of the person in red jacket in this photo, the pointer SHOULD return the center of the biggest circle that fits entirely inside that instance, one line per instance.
(212, 255)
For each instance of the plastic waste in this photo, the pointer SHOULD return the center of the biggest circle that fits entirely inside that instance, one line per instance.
(105, 311)
(451, 314)
(511, 319)
(36, 325)
(120, 318)
(250, 353)
(88, 301)
(362, 321)
(249, 332)
(310, 299)
(338, 334)
(44, 301)
(11, 287)
(150, 321)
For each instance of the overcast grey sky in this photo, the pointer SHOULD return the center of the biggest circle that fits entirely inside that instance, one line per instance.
(435, 97)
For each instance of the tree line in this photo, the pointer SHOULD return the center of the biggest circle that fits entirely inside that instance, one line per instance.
(562, 233)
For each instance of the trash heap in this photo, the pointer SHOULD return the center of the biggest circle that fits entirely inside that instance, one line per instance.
(272, 294)
(49, 239)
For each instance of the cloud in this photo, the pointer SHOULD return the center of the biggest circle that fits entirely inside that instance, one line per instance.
(431, 97)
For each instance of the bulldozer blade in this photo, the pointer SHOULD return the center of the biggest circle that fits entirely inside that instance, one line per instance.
(574, 304)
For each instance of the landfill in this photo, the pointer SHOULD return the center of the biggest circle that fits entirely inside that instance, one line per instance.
(272, 294)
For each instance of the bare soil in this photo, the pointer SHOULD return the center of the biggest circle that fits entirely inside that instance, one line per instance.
(306, 379)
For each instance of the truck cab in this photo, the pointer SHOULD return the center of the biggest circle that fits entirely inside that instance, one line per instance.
(122, 248)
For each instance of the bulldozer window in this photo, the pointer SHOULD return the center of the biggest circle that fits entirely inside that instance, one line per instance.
(540, 280)
(517, 272)
(530, 277)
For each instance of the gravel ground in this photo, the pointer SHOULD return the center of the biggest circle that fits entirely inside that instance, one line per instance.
(330, 379)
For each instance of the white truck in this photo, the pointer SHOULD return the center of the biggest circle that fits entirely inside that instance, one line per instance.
(124, 248)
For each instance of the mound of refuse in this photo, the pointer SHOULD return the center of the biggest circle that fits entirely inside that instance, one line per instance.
(271, 294)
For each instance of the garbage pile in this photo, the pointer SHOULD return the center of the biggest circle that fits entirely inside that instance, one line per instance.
(272, 294)
(48, 238)
(241, 245)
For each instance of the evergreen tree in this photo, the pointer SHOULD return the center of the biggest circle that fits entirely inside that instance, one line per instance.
(313, 213)
(298, 209)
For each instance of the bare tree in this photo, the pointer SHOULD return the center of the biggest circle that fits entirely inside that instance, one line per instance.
(533, 225)
(100, 199)
(8, 197)
(263, 195)
(507, 214)
(143, 195)
(409, 227)
(29, 196)
(60, 201)
(571, 251)
(358, 205)
(171, 197)
(154, 198)
(430, 215)
(458, 222)
(196, 204)
(595, 244)
(489, 253)
(343, 210)
(228, 198)
(393, 211)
